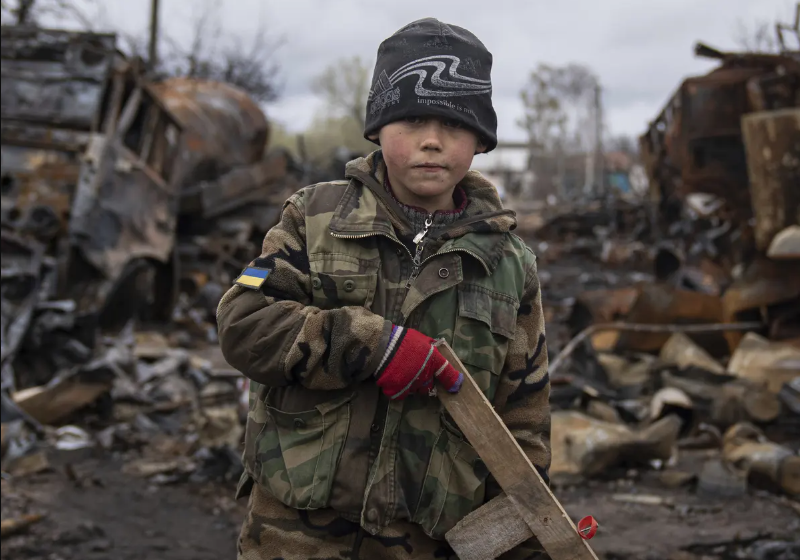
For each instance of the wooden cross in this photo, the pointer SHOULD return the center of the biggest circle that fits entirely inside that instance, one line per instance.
(528, 507)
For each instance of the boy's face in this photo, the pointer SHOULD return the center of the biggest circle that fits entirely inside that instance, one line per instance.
(426, 157)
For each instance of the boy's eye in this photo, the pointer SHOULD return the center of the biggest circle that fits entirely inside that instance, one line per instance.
(414, 120)
(453, 124)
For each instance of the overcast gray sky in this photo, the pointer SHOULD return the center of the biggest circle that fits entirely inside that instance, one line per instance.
(640, 49)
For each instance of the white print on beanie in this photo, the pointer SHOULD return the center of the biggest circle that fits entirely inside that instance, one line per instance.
(385, 94)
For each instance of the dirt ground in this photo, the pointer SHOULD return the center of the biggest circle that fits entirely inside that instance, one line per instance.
(94, 511)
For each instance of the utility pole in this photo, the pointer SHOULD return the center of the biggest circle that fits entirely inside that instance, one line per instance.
(23, 12)
(599, 158)
(152, 51)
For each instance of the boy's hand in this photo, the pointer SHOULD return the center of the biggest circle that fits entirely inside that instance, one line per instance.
(411, 364)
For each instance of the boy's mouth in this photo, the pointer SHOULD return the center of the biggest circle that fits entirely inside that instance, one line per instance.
(430, 166)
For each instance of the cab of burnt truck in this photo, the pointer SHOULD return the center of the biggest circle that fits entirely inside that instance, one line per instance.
(90, 172)
(698, 142)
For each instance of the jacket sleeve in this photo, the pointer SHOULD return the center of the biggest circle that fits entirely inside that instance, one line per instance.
(523, 394)
(275, 337)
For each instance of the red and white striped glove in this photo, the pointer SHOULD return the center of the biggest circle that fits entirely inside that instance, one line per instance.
(411, 363)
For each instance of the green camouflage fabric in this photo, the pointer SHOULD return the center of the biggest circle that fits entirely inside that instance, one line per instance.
(273, 531)
(320, 435)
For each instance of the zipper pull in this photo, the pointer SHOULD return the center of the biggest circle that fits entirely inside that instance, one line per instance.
(424, 232)
(418, 254)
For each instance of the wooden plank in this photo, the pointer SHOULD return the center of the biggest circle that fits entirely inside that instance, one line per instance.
(512, 469)
(489, 531)
(50, 403)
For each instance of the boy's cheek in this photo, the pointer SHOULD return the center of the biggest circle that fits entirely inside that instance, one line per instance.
(397, 159)
(396, 151)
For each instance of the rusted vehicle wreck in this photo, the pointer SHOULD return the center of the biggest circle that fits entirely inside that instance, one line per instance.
(122, 195)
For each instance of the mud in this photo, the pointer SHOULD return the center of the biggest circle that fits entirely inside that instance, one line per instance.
(94, 511)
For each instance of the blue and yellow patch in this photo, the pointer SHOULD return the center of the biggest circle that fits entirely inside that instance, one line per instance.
(252, 278)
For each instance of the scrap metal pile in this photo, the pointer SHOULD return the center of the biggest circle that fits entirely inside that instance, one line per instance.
(125, 201)
(683, 357)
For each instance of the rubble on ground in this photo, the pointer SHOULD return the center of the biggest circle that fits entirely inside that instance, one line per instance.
(690, 345)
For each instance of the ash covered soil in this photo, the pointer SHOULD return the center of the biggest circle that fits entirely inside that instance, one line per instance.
(94, 511)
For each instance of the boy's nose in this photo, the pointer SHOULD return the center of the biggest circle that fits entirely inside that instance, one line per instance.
(432, 135)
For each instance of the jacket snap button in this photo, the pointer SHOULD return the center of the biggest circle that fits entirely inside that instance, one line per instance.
(444, 273)
(375, 428)
(299, 423)
(372, 515)
(316, 283)
(349, 285)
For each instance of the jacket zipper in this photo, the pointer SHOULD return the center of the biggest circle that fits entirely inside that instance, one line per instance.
(418, 239)
(363, 235)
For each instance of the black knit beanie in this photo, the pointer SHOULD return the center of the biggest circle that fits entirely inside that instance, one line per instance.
(433, 68)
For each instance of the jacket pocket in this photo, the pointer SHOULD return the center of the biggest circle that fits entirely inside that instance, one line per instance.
(296, 454)
(454, 484)
(339, 280)
(331, 291)
(485, 322)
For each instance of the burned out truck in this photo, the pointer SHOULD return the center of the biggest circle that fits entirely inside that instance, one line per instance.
(723, 162)
(89, 165)
(733, 134)
(122, 195)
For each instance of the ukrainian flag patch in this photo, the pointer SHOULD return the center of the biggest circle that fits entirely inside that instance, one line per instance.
(252, 277)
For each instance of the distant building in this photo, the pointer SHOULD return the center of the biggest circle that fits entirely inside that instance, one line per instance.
(507, 169)
(518, 173)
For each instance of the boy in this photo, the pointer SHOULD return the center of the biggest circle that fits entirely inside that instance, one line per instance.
(350, 451)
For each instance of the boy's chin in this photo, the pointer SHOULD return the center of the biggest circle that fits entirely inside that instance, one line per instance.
(429, 192)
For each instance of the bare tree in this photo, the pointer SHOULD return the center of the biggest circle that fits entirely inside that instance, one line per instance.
(789, 33)
(212, 53)
(216, 55)
(20, 12)
(344, 85)
(756, 37)
(33, 12)
(326, 135)
(561, 120)
(763, 36)
(544, 120)
(557, 102)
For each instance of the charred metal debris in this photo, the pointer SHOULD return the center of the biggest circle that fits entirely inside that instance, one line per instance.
(674, 318)
(124, 199)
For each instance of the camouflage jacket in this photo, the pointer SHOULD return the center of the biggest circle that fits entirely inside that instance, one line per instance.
(319, 432)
